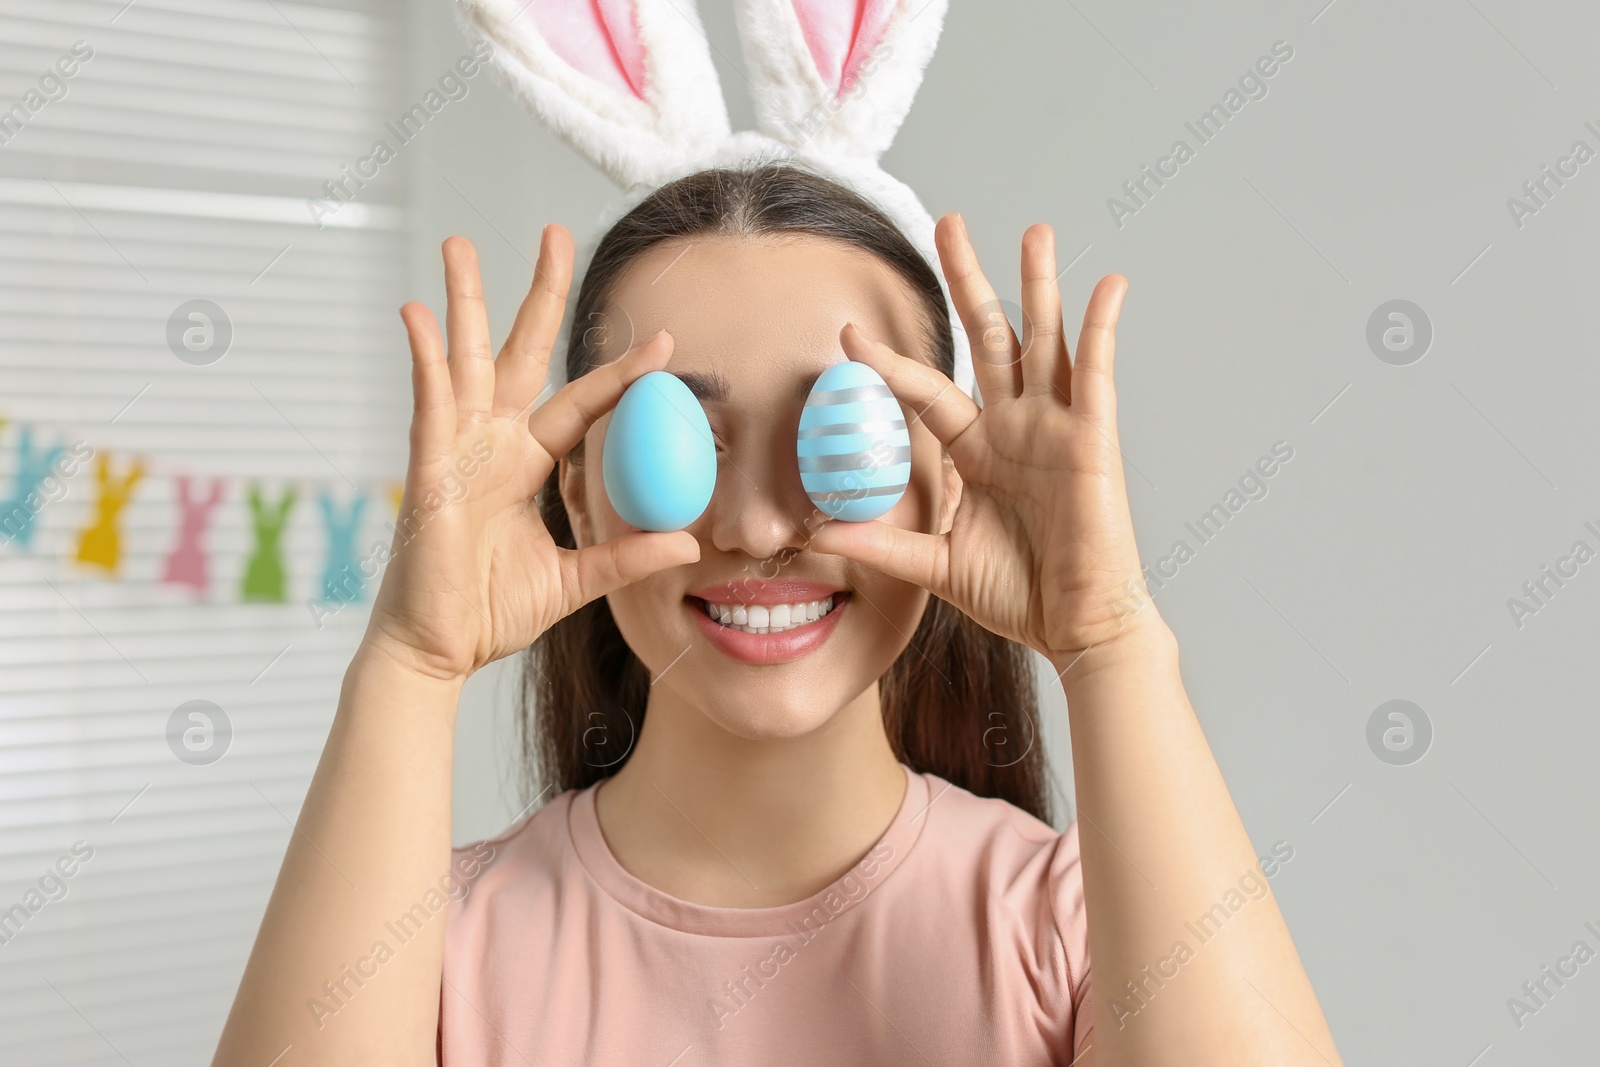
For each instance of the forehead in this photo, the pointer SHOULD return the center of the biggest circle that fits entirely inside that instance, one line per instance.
(763, 314)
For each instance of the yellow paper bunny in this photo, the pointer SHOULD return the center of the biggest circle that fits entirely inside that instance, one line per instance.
(100, 544)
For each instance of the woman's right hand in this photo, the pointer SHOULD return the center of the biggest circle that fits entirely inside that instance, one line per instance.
(473, 574)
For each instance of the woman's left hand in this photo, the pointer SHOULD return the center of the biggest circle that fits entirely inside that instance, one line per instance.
(1041, 547)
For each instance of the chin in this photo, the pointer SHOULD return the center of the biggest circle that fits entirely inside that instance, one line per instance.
(767, 713)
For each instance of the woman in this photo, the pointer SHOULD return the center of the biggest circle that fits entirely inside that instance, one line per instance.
(808, 846)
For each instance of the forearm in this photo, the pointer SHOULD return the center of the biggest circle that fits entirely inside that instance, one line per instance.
(1162, 848)
(372, 839)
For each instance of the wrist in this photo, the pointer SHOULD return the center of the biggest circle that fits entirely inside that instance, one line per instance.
(1146, 645)
(378, 659)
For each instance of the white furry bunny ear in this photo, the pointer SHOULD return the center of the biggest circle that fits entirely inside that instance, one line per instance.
(837, 77)
(629, 84)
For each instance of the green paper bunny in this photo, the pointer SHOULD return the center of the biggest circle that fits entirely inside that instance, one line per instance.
(264, 578)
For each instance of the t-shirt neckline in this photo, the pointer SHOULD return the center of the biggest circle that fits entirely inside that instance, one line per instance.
(855, 885)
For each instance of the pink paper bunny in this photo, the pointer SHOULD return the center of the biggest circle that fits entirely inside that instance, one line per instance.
(186, 563)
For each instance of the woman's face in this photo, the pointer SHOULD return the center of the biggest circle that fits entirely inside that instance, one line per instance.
(754, 321)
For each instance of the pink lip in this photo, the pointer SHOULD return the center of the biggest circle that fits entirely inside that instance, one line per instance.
(764, 649)
(768, 591)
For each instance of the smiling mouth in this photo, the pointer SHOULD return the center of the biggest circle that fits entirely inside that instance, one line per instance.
(770, 618)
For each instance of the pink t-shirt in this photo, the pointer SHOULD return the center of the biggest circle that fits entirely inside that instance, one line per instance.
(959, 938)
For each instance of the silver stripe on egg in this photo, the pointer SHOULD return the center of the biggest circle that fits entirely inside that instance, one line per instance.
(855, 461)
(854, 494)
(849, 395)
(875, 426)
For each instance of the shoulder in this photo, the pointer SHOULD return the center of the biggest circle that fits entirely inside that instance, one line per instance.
(530, 851)
(1024, 876)
(1002, 839)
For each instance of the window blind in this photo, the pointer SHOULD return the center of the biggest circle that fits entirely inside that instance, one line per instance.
(169, 299)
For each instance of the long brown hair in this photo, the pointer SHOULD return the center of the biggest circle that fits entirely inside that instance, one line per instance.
(960, 701)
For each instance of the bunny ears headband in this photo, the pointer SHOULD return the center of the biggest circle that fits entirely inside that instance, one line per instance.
(630, 85)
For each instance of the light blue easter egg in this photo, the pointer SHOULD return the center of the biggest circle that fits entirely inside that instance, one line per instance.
(853, 446)
(659, 459)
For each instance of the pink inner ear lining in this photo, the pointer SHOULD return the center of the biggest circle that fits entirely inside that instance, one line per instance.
(597, 38)
(621, 18)
(840, 36)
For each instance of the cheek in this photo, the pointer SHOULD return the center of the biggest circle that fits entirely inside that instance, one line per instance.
(896, 607)
(603, 520)
(918, 509)
(651, 618)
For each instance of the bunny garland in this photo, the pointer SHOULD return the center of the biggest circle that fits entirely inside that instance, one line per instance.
(630, 86)
(42, 479)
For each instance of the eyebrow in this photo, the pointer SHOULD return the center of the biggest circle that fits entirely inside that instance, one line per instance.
(712, 387)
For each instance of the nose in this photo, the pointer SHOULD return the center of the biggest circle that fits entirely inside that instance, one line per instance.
(759, 507)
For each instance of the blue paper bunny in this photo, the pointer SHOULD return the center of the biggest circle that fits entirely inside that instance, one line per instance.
(18, 512)
(341, 580)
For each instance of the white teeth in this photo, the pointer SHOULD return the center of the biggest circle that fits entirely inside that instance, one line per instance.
(769, 618)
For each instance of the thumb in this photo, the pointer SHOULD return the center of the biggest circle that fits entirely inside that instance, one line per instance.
(593, 572)
(909, 555)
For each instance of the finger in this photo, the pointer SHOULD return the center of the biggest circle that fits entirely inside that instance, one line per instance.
(433, 412)
(909, 555)
(560, 422)
(1093, 390)
(995, 351)
(933, 399)
(593, 572)
(519, 373)
(466, 323)
(1044, 350)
